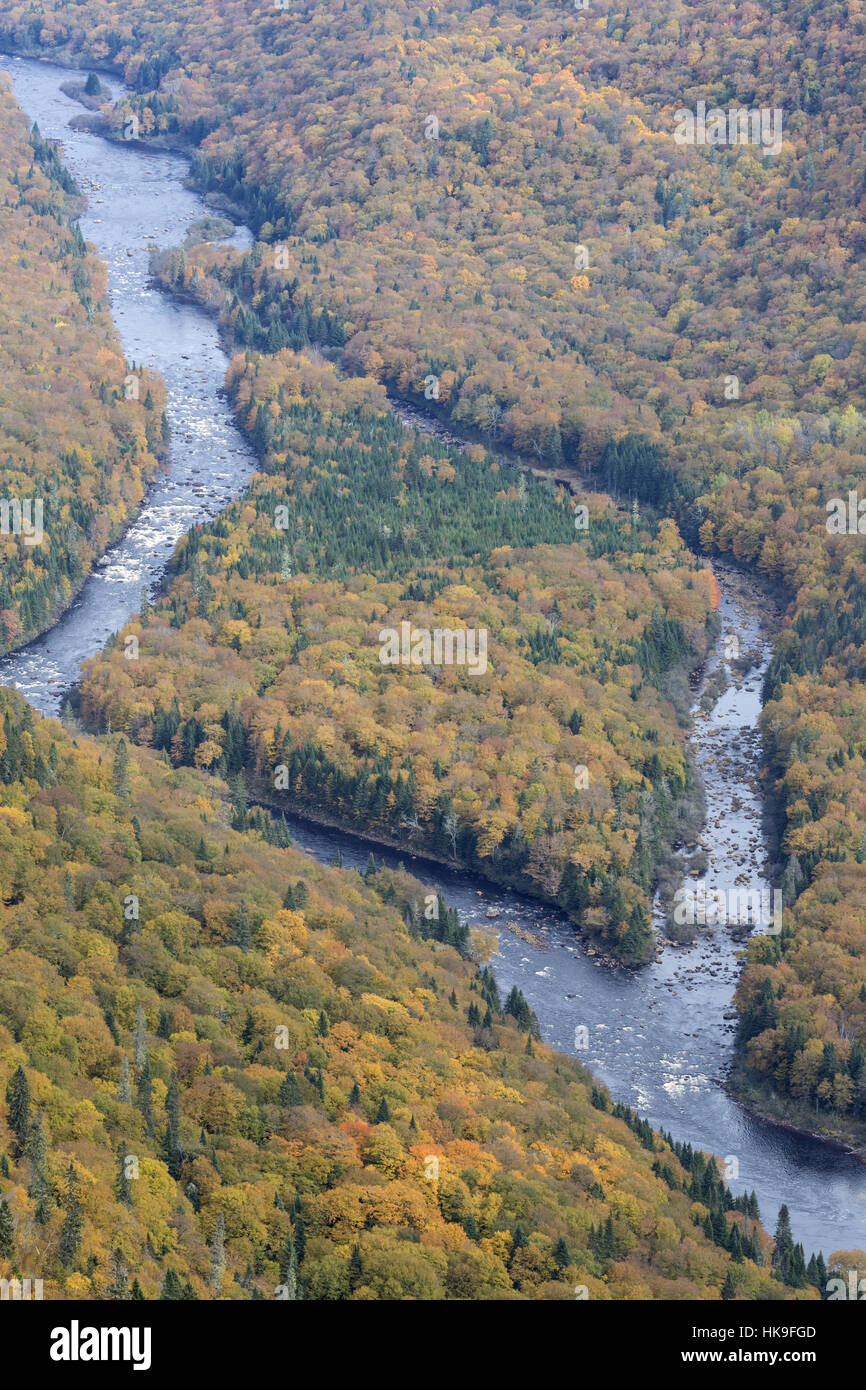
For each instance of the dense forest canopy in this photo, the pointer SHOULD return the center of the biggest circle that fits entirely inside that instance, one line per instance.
(228, 1070)
(495, 194)
(484, 210)
(561, 768)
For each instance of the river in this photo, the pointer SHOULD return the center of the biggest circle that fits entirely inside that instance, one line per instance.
(657, 1036)
(136, 199)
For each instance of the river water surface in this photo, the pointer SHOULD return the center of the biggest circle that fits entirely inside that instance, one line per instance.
(657, 1036)
(136, 200)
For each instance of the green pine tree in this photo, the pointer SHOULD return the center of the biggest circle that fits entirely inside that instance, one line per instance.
(145, 1094)
(356, 1268)
(73, 1222)
(242, 929)
(609, 1240)
(120, 769)
(290, 1091)
(300, 1239)
(18, 1112)
(561, 1253)
(783, 1251)
(7, 1231)
(519, 1240)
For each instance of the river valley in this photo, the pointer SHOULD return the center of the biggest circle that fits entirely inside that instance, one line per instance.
(657, 1036)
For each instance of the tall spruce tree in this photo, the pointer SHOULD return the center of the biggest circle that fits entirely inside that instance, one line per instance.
(145, 1094)
(783, 1251)
(18, 1112)
(7, 1231)
(120, 769)
(73, 1222)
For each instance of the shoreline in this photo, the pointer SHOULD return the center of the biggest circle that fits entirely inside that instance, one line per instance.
(845, 1144)
(325, 822)
(598, 958)
(742, 574)
(61, 612)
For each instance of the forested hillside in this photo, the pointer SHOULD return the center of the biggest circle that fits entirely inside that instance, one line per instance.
(560, 767)
(487, 210)
(432, 172)
(228, 1071)
(77, 443)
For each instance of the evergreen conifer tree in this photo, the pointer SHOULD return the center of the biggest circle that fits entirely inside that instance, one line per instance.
(18, 1111)
(73, 1222)
(7, 1231)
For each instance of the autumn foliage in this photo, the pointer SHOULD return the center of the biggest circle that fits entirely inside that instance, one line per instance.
(561, 768)
(72, 437)
(229, 1070)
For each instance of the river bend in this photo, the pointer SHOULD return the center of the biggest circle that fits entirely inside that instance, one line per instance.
(657, 1036)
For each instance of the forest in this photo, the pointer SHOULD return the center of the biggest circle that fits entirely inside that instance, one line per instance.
(766, 508)
(561, 770)
(450, 181)
(229, 1070)
(482, 211)
(82, 434)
